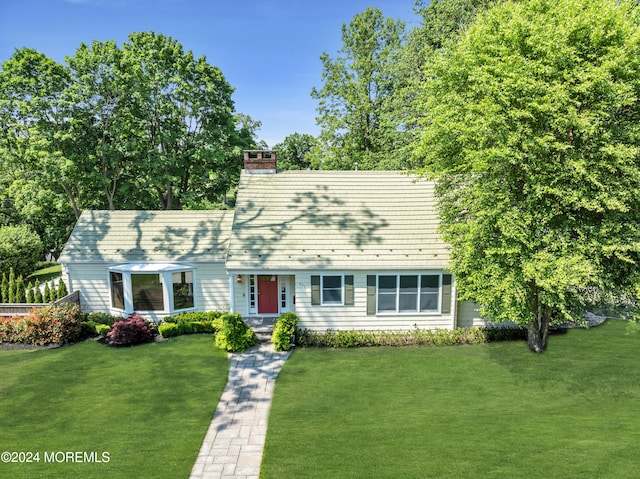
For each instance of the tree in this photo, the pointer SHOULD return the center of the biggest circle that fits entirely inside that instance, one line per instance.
(441, 21)
(444, 20)
(34, 122)
(531, 130)
(356, 103)
(99, 107)
(294, 150)
(182, 122)
(20, 249)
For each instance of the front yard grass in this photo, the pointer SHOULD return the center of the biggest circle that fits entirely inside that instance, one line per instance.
(147, 406)
(486, 411)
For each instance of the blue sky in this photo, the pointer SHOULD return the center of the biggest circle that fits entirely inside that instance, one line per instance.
(268, 50)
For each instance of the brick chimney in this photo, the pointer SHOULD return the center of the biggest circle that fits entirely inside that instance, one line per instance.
(260, 161)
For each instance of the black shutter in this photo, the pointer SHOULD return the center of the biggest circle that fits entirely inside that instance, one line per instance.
(446, 294)
(315, 290)
(371, 294)
(348, 290)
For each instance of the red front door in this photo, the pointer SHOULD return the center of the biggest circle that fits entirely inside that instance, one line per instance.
(267, 294)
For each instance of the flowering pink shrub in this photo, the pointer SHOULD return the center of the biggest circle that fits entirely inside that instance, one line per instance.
(48, 325)
(132, 330)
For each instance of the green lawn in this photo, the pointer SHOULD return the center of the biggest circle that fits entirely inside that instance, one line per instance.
(486, 411)
(147, 406)
(47, 272)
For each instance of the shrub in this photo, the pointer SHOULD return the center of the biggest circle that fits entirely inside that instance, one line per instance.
(46, 293)
(37, 296)
(102, 329)
(415, 337)
(132, 330)
(4, 289)
(59, 324)
(61, 290)
(194, 322)
(20, 249)
(103, 318)
(169, 330)
(29, 292)
(194, 317)
(20, 290)
(89, 328)
(233, 334)
(284, 332)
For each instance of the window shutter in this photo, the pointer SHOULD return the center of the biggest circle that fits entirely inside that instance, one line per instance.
(371, 294)
(315, 290)
(348, 290)
(446, 294)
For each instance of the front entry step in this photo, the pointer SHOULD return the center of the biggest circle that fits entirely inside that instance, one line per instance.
(262, 325)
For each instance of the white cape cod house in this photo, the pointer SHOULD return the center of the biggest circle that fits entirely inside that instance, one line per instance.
(342, 249)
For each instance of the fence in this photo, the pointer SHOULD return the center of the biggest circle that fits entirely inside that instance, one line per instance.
(20, 309)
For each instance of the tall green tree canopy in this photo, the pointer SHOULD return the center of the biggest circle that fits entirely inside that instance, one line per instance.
(293, 152)
(531, 129)
(356, 102)
(142, 126)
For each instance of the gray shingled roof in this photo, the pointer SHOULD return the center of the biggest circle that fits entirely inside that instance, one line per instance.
(296, 220)
(149, 236)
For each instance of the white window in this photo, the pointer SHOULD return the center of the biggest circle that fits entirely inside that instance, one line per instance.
(164, 288)
(408, 293)
(331, 288)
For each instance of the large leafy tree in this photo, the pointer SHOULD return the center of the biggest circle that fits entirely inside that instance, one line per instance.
(293, 152)
(531, 130)
(38, 184)
(442, 21)
(356, 102)
(182, 121)
(101, 119)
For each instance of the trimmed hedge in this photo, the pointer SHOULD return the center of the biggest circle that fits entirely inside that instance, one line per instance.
(60, 324)
(194, 317)
(415, 337)
(189, 323)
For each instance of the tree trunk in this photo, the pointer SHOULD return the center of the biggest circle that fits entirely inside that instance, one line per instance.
(538, 330)
(72, 199)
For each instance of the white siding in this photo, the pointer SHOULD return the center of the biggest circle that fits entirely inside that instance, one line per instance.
(321, 318)
(211, 289)
(92, 280)
(468, 315)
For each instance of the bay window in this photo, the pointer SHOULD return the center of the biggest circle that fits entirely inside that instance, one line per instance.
(163, 288)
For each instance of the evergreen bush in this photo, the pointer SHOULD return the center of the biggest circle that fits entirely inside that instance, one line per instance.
(20, 290)
(11, 297)
(4, 288)
(61, 290)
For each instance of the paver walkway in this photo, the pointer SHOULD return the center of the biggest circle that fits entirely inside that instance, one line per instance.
(234, 442)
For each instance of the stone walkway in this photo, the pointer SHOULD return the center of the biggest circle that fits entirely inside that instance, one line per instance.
(234, 442)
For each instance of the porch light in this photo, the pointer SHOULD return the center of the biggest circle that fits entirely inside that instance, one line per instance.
(239, 278)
